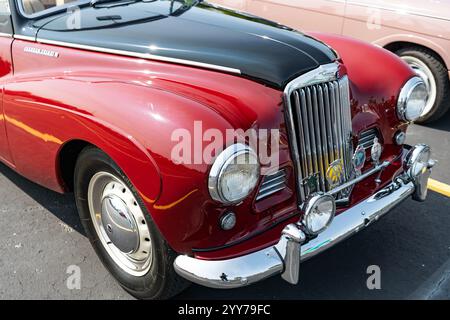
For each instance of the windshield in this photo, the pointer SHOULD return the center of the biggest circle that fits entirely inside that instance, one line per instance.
(32, 8)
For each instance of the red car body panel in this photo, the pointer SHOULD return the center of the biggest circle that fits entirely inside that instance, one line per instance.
(129, 108)
(5, 73)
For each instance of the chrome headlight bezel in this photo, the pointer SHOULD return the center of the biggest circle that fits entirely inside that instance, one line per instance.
(219, 167)
(309, 209)
(403, 107)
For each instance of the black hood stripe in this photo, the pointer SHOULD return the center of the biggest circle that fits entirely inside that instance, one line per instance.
(203, 36)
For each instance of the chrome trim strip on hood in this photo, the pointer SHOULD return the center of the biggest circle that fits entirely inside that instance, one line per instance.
(131, 54)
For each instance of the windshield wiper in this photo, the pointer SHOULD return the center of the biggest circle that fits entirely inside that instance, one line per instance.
(185, 7)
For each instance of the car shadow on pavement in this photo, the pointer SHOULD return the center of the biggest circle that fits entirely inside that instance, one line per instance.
(61, 206)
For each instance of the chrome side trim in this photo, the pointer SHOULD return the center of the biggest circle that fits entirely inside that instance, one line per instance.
(140, 55)
(5, 35)
(26, 38)
(257, 266)
(130, 54)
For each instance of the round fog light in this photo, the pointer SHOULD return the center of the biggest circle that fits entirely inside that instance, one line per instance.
(228, 221)
(319, 213)
(417, 160)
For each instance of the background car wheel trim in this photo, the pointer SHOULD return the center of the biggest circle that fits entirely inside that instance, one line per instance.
(127, 241)
(427, 76)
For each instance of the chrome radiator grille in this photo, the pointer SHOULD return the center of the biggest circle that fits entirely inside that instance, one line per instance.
(320, 129)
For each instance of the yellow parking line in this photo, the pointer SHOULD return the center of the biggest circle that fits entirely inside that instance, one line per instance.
(439, 187)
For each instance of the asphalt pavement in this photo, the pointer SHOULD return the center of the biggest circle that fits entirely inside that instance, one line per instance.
(41, 240)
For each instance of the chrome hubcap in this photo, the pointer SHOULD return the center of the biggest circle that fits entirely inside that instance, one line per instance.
(427, 76)
(120, 223)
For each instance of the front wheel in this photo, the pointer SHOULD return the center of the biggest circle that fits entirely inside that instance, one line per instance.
(120, 229)
(435, 75)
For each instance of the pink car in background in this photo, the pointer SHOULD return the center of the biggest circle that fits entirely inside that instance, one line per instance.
(416, 30)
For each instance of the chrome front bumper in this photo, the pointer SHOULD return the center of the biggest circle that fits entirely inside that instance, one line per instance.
(284, 258)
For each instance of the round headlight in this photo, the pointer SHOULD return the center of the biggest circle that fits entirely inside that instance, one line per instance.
(412, 100)
(234, 174)
(417, 160)
(319, 213)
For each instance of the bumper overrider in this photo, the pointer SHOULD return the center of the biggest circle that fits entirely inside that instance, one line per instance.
(294, 247)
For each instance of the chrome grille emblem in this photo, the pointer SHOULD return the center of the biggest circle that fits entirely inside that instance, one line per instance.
(359, 159)
(335, 173)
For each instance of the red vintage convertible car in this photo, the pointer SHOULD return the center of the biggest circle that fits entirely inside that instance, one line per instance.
(96, 96)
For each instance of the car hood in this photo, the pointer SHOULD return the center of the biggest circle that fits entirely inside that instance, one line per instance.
(204, 33)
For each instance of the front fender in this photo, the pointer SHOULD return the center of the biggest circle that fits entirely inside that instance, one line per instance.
(130, 108)
(376, 78)
(373, 71)
(41, 122)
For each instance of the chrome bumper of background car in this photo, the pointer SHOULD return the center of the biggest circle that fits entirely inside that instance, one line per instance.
(284, 258)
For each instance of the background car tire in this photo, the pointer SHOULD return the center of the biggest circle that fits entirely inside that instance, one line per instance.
(441, 79)
(161, 281)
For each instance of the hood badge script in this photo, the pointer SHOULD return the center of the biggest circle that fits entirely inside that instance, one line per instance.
(42, 52)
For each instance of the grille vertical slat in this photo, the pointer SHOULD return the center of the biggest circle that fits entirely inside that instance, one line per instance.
(304, 120)
(315, 104)
(301, 136)
(323, 128)
(340, 130)
(328, 121)
(311, 130)
(302, 165)
(340, 124)
(347, 124)
(334, 122)
(326, 156)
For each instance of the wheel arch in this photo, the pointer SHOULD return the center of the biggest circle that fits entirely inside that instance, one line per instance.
(130, 158)
(66, 161)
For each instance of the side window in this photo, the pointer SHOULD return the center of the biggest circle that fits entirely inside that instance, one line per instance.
(5, 18)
